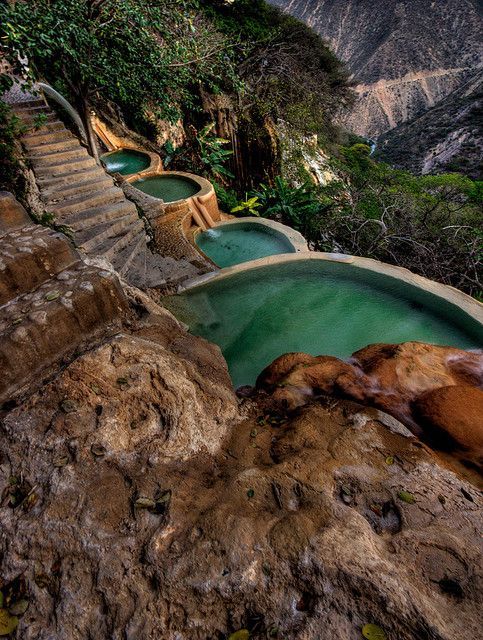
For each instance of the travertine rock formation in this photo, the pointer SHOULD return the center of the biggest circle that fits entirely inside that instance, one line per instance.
(427, 387)
(158, 513)
(140, 499)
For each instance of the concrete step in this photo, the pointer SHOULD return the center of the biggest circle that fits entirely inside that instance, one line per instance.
(123, 260)
(36, 140)
(86, 205)
(67, 169)
(29, 257)
(111, 247)
(89, 239)
(47, 148)
(39, 329)
(58, 157)
(12, 214)
(59, 192)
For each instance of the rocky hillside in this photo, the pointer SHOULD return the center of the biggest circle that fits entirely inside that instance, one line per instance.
(447, 137)
(405, 56)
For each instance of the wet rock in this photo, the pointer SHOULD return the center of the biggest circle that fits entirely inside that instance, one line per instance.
(430, 389)
(453, 416)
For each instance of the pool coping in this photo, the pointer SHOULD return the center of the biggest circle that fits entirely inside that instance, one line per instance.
(154, 166)
(294, 238)
(463, 301)
(205, 186)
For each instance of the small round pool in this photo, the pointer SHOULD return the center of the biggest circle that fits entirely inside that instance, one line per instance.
(126, 161)
(238, 242)
(168, 188)
(319, 307)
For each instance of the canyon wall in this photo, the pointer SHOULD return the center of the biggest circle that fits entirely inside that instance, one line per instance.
(405, 56)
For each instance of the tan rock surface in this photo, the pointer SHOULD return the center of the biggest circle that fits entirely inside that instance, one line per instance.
(293, 526)
(392, 378)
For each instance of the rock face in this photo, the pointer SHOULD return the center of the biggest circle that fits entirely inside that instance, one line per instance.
(158, 513)
(140, 499)
(405, 56)
(446, 137)
(422, 385)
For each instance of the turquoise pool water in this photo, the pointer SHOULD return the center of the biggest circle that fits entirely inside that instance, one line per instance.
(126, 161)
(167, 187)
(318, 307)
(240, 242)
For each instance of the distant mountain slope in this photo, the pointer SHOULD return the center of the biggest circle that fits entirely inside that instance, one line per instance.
(405, 55)
(448, 137)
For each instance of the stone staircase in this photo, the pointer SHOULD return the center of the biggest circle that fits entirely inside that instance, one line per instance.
(82, 196)
(51, 302)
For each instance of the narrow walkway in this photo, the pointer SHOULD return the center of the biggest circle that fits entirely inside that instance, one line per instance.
(82, 196)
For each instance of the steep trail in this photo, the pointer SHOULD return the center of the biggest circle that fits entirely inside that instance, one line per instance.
(81, 196)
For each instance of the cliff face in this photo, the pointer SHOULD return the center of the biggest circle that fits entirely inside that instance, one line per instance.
(405, 56)
(447, 137)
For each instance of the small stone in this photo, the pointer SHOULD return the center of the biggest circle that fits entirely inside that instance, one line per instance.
(98, 450)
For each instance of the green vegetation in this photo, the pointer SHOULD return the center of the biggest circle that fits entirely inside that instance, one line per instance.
(9, 129)
(148, 62)
(429, 224)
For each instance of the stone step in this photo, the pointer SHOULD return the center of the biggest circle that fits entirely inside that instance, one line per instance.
(87, 206)
(111, 247)
(30, 119)
(47, 148)
(34, 102)
(29, 257)
(12, 214)
(58, 157)
(46, 129)
(99, 215)
(39, 329)
(50, 184)
(59, 192)
(123, 260)
(25, 108)
(68, 169)
(90, 238)
(36, 140)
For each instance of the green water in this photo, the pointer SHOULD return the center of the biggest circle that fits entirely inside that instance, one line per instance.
(168, 187)
(313, 306)
(126, 161)
(231, 244)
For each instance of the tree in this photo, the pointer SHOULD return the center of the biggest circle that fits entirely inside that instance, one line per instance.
(137, 54)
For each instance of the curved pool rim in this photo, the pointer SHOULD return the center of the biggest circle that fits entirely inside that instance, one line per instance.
(448, 295)
(295, 239)
(154, 162)
(205, 188)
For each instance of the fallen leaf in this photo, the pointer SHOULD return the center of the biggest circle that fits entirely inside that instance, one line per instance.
(405, 496)
(8, 623)
(373, 632)
(253, 433)
(53, 295)
(144, 503)
(60, 461)
(390, 460)
(98, 450)
(242, 634)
